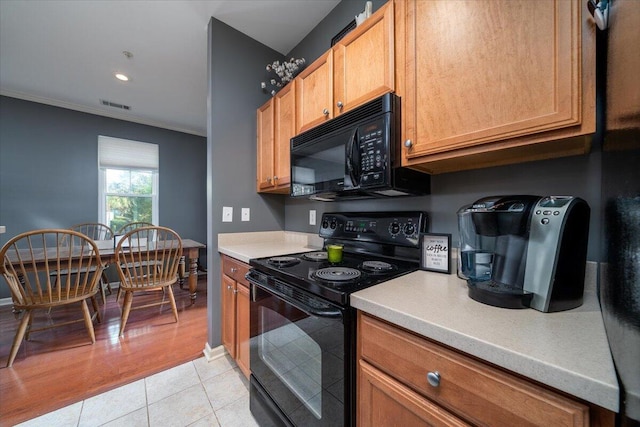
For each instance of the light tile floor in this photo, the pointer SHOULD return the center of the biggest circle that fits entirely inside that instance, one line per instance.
(197, 393)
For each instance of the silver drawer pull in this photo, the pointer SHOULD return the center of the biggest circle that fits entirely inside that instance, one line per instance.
(234, 270)
(229, 287)
(434, 378)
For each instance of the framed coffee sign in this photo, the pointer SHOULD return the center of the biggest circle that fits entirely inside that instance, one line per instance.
(435, 252)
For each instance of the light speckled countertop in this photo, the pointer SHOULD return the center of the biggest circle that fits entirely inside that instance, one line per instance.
(244, 246)
(566, 350)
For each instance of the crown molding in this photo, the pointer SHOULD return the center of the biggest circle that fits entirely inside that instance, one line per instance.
(96, 111)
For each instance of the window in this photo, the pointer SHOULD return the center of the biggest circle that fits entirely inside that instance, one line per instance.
(128, 181)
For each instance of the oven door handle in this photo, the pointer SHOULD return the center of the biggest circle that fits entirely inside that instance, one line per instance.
(322, 310)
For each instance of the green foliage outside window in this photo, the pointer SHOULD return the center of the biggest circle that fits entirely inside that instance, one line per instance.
(129, 196)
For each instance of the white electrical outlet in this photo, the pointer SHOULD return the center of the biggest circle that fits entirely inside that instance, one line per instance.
(246, 214)
(227, 214)
(312, 217)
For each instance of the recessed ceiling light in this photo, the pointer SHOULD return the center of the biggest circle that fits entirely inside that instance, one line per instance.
(122, 77)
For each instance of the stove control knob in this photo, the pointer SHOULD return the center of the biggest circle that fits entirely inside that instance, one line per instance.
(394, 228)
(409, 230)
(333, 225)
(325, 224)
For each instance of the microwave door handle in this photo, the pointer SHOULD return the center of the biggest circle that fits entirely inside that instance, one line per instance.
(353, 159)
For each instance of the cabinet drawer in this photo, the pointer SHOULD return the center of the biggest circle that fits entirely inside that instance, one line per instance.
(383, 401)
(235, 269)
(473, 390)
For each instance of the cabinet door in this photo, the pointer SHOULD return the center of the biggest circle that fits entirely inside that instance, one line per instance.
(363, 62)
(467, 387)
(383, 401)
(242, 329)
(228, 314)
(265, 135)
(480, 72)
(285, 129)
(314, 93)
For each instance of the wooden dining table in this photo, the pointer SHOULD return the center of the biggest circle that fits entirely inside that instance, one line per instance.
(190, 253)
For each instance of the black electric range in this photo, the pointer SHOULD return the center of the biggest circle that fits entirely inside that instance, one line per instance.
(311, 272)
(303, 331)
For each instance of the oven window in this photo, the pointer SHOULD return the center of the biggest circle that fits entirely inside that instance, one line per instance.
(294, 358)
(299, 360)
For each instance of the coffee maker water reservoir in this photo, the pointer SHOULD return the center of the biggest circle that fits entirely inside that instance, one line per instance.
(524, 251)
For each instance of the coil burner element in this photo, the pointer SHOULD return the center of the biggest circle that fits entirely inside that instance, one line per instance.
(337, 274)
(283, 261)
(377, 267)
(315, 256)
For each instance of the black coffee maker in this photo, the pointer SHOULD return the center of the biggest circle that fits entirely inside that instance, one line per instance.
(525, 251)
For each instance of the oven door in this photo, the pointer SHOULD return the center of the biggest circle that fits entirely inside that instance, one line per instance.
(299, 370)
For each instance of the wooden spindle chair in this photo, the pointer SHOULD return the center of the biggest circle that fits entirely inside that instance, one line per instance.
(34, 265)
(145, 265)
(97, 231)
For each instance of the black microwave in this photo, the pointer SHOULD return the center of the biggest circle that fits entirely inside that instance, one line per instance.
(355, 155)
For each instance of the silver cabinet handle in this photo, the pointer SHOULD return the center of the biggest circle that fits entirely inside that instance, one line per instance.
(275, 178)
(340, 105)
(433, 378)
(325, 112)
(408, 143)
(235, 291)
(234, 270)
(229, 287)
(268, 179)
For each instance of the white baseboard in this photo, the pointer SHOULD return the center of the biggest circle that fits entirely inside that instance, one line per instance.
(5, 301)
(213, 353)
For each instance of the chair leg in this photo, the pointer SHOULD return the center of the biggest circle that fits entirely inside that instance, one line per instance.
(102, 291)
(105, 280)
(94, 303)
(126, 308)
(17, 340)
(88, 323)
(172, 300)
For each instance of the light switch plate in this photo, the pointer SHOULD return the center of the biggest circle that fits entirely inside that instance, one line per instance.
(312, 217)
(246, 214)
(227, 214)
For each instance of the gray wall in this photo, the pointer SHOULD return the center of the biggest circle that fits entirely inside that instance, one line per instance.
(49, 169)
(236, 68)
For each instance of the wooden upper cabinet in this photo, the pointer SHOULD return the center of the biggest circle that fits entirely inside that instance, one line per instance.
(275, 128)
(359, 68)
(363, 62)
(484, 83)
(285, 129)
(265, 136)
(314, 97)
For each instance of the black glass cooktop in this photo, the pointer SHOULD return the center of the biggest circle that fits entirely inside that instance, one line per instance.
(312, 272)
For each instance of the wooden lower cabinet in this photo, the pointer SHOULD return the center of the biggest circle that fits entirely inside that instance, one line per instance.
(234, 296)
(384, 401)
(408, 380)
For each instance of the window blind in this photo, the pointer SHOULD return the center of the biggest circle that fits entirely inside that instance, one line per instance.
(123, 153)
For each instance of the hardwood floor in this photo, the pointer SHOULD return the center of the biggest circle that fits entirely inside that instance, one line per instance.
(59, 366)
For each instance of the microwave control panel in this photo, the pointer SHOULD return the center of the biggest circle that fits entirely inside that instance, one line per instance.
(374, 154)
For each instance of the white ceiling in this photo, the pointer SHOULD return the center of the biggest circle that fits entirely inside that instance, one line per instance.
(65, 52)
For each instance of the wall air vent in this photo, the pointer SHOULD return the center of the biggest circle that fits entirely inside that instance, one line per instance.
(114, 104)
